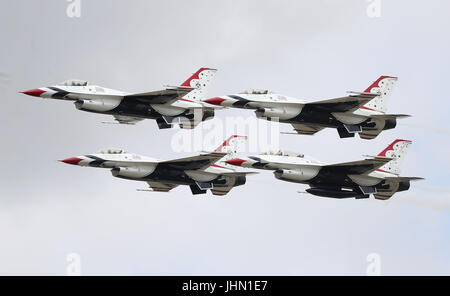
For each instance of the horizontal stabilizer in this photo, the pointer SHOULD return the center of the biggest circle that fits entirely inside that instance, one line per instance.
(404, 178)
(390, 116)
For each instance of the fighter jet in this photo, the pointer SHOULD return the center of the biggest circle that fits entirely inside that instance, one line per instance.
(203, 172)
(174, 105)
(377, 175)
(362, 113)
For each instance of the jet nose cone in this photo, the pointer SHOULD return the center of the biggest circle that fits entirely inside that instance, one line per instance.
(215, 101)
(72, 160)
(34, 92)
(235, 161)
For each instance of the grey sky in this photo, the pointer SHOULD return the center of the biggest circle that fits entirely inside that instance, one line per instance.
(306, 49)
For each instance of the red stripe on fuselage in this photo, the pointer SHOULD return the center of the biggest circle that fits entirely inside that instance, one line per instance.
(366, 108)
(218, 166)
(186, 100)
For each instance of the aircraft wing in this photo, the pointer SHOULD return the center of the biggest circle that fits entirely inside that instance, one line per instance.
(161, 187)
(127, 119)
(358, 167)
(343, 104)
(198, 162)
(165, 96)
(305, 129)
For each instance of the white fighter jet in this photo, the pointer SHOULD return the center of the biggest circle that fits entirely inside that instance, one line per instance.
(377, 175)
(200, 173)
(174, 105)
(363, 113)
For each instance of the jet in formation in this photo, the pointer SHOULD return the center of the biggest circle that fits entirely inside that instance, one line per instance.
(203, 172)
(378, 175)
(177, 105)
(362, 113)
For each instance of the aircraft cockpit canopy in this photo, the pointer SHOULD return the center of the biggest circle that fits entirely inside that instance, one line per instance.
(256, 91)
(283, 153)
(112, 151)
(74, 82)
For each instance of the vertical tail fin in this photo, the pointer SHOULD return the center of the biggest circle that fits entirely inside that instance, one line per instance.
(201, 81)
(233, 145)
(396, 150)
(383, 86)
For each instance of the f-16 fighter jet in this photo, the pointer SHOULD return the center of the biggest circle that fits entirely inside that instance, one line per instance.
(377, 175)
(200, 173)
(362, 113)
(174, 105)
